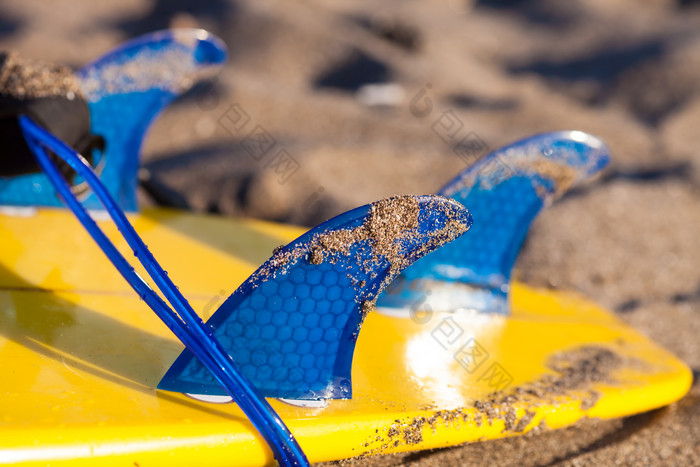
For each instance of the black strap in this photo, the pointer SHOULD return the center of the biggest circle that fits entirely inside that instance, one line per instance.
(51, 95)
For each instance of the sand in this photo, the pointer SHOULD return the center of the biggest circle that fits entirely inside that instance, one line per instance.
(371, 100)
(24, 79)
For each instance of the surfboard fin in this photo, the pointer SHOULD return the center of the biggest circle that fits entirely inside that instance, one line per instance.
(292, 326)
(125, 90)
(504, 192)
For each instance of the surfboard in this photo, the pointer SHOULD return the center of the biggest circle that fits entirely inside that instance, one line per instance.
(82, 356)
(453, 352)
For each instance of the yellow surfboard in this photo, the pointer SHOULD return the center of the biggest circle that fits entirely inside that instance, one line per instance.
(81, 357)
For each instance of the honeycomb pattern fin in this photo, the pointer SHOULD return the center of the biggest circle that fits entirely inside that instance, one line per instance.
(292, 326)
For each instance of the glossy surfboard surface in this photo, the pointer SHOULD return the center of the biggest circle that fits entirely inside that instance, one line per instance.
(82, 357)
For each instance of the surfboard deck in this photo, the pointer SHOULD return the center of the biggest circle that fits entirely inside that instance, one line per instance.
(81, 357)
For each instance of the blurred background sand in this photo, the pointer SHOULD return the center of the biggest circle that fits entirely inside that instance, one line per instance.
(353, 91)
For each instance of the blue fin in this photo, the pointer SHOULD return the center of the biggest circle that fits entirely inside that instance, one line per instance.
(504, 192)
(292, 326)
(125, 89)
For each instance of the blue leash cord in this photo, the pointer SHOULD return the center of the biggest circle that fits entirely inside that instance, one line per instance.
(185, 324)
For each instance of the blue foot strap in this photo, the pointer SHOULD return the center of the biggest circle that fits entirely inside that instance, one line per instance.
(183, 322)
